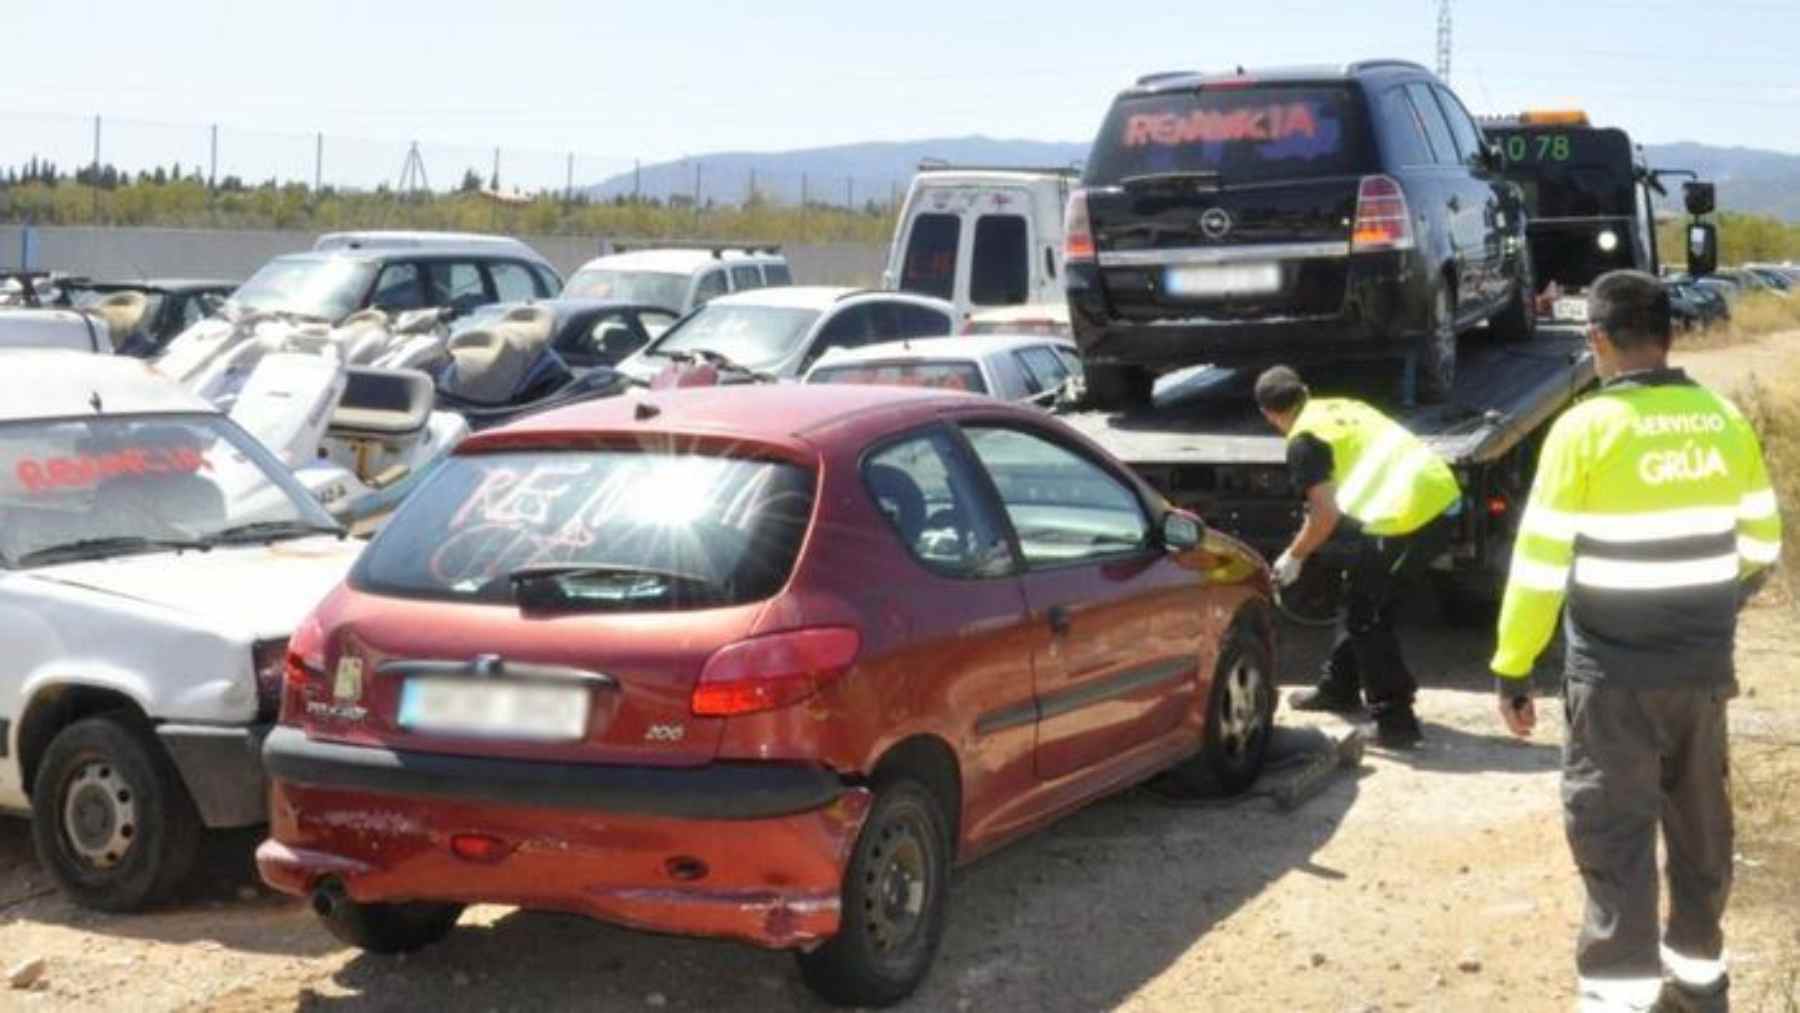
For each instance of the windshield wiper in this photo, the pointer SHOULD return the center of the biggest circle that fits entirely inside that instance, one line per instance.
(553, 571)
(1202, 179)
(719, 360)
(258, 531)
(112, 545)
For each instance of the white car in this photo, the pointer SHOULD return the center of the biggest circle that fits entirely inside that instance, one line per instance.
(781, 332)
(1017, 367)
(679, 279)
(154, 559)
(1026, 318)
(70, 330)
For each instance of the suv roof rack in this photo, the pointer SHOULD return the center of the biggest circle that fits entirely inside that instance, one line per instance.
(718, 250)
(940, 165)
(1362, 65)
(1164, 75)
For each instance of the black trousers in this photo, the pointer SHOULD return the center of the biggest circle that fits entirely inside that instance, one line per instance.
(1366, 651)
(1636, 761)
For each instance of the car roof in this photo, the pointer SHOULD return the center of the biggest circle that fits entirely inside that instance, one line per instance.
(414, 239)
(678, 261)
(1180, 80)
(61, 384)
(446, 251)
(968, 347)
(812, 297)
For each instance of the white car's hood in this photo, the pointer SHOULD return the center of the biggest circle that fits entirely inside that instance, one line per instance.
(256, 591)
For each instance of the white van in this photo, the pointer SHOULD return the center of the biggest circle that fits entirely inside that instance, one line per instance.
(981, 237)
(679, 278)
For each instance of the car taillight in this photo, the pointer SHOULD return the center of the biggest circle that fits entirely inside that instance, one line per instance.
(1383, 221)
(765, 673)
(1078, 235)
(304, 665)
(267, 659)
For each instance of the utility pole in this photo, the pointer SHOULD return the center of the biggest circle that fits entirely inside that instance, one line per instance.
(1443, 40)
(569, 194)
(850, 193)
(750, 193)
(319, 163)
(96, 180)
(212, 175)
(496, 180)
(637, 180)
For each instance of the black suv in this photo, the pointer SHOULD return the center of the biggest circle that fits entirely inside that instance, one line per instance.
(1298, 215)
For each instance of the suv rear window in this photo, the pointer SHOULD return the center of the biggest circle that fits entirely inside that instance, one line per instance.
(614, 530)
(930, 265)
(1241, 133)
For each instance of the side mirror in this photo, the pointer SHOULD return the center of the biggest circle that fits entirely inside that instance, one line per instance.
(1493, 156)
(1702, 249)
(1181, 531)
(1699, 197)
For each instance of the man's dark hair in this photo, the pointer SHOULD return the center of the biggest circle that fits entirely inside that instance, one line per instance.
(1632, 308)
(1280, 390)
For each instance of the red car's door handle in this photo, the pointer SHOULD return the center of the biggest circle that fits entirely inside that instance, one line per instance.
(1059, 619)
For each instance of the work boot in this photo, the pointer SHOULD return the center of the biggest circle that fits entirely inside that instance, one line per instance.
(1398, 729)
(1325, 697)
(1680, 998)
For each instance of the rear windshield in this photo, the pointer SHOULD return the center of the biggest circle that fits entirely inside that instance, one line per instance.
(616, 530)
(940, 374)
(1243, 134)
(658, 288)
(930, 264)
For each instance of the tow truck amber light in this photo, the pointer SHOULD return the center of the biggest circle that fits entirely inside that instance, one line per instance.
(766, 673)
(1554, 118)
(305, 664)
(1078, 235)
(1383, 220)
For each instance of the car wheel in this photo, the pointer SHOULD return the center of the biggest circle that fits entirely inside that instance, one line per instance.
(385, 928)
(1437, 353)
(110, 817)
(1240, 716)
(1115, 387)
(1518, 321)
(894, 903)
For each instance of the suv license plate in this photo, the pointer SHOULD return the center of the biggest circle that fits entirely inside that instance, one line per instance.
(494, 710)
(1571, 309)
(1205, 280)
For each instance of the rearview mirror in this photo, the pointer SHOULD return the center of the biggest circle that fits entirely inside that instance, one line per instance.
(1699, 197)
(1702, 249)
(1182, 531)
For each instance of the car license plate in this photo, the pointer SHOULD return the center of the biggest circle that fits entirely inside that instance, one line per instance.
(1208, 280)
(1571, 309)
(494, 710)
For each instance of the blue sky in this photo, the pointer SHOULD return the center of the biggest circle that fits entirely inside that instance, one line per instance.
(613, 81)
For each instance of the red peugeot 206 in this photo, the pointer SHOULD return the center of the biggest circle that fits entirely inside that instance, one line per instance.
(758, 662)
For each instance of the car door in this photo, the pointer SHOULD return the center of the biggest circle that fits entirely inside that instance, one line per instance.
(1113, 667)
(1447, 207)
(1482, 188)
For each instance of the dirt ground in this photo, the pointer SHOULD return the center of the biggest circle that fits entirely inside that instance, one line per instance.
(1435, 880)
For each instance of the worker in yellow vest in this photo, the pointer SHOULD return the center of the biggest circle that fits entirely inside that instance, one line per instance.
(1371, 482)
(1651, 518)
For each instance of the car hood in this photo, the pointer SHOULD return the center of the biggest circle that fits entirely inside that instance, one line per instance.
(256, 591)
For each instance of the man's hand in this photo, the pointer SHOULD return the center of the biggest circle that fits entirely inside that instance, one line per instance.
(1519, 714)
(1287, 568)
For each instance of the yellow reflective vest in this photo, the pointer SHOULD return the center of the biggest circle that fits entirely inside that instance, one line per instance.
(1651, 503)
(1387, 479)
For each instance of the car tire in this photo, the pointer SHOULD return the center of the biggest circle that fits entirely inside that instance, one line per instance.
(1517, 322)
(1240, 716)
(894, 903)
(387, 928)
(111, 819)
(1437, 353)
(1115, 387)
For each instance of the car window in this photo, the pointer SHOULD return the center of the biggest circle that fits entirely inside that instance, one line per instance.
(930, 264)
(1437, 131)
(1000, 272)
(1241, 132)
(1403, 130)
(192, 309)
(400, 288)
(755, 336)
(547, 281)
(915, 321)
(847, 328)
(608, 338)
(1063, 506)
(777, 274)
(933, 508)
(1047, 372)
(712, 286)
(655, 322)
(457, 283)
(512, 281)
(1463, 129)
(745, 277)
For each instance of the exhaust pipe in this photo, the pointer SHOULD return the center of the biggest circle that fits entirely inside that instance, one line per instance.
(326, 897)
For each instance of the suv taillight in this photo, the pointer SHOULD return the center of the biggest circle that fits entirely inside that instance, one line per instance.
(1383, 221)
(305, 663)
(1078, 235)
(765, 673)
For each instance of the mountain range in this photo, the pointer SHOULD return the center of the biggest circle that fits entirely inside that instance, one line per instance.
(1750, 180)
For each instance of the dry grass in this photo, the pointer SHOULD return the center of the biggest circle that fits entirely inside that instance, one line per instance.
(1753, 316)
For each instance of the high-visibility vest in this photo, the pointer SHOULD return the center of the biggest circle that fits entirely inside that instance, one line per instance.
(1386, 478)
(1651, 503)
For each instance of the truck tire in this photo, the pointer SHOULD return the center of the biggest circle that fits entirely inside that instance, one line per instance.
(110, 817)
(1240, 716)
(1115, 387)
(895, 901)
(1517, 323)
(1437, 353)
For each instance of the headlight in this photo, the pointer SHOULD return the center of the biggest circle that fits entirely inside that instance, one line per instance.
(1608, 241)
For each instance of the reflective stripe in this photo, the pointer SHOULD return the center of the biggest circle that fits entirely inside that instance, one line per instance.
(1536, 576)
(1628, 995)
(1556, 525)
(1758, 551)
(1756, 506)
(1658, 525)
(1635, 575)
(1368, 467)
(1694, 972)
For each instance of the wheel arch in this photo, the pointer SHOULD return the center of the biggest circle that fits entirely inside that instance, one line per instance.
(928, 759)
(56, 706)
